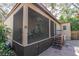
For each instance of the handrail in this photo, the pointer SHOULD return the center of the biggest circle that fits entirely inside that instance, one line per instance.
(59, 35)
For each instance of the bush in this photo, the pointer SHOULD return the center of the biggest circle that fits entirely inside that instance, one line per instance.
(4, 49)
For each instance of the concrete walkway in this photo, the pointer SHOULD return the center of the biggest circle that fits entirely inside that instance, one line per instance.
(71, 48)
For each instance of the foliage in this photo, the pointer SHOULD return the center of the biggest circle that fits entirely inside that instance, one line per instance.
(73, 20)
(65, 9)
(4, 31)
(74, 24)
(4, 49)
(62, 19)
(66, 13)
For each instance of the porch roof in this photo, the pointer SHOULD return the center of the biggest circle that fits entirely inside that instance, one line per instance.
(39, 5)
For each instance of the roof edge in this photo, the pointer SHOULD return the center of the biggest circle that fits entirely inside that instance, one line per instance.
(12, 10)
(40, 5)
(44, 9)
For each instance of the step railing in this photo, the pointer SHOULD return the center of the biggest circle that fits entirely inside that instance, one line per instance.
(58, 41)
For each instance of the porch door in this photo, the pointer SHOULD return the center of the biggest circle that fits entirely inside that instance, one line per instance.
(18, 26)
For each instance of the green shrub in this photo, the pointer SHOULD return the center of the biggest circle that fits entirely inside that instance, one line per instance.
(4, 50)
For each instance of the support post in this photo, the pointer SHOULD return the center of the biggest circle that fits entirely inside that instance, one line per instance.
(25, 25)
(49, 29)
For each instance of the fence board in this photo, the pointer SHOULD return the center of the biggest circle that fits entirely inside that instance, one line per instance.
(75, 35)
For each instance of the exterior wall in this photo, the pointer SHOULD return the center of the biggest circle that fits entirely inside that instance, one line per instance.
(32, 50)
(32, 6)
(67, 32)
(9, 23)
(58, 29)
(24, 46)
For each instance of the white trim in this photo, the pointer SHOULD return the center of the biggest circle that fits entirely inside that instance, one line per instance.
(38, 41)
(25, 25)
(17, 43)
(49, 28)
(42, 40)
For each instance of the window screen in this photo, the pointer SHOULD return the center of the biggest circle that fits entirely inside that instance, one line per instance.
(38, 26)
(52, 28)
(17, 26)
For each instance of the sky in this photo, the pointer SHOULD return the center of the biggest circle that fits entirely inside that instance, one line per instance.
(8, 6)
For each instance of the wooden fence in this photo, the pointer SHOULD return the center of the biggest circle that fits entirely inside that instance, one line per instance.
(75, 35)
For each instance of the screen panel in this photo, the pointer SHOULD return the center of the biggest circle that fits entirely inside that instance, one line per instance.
(38, 26)
(18, 26)
(52, 28)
